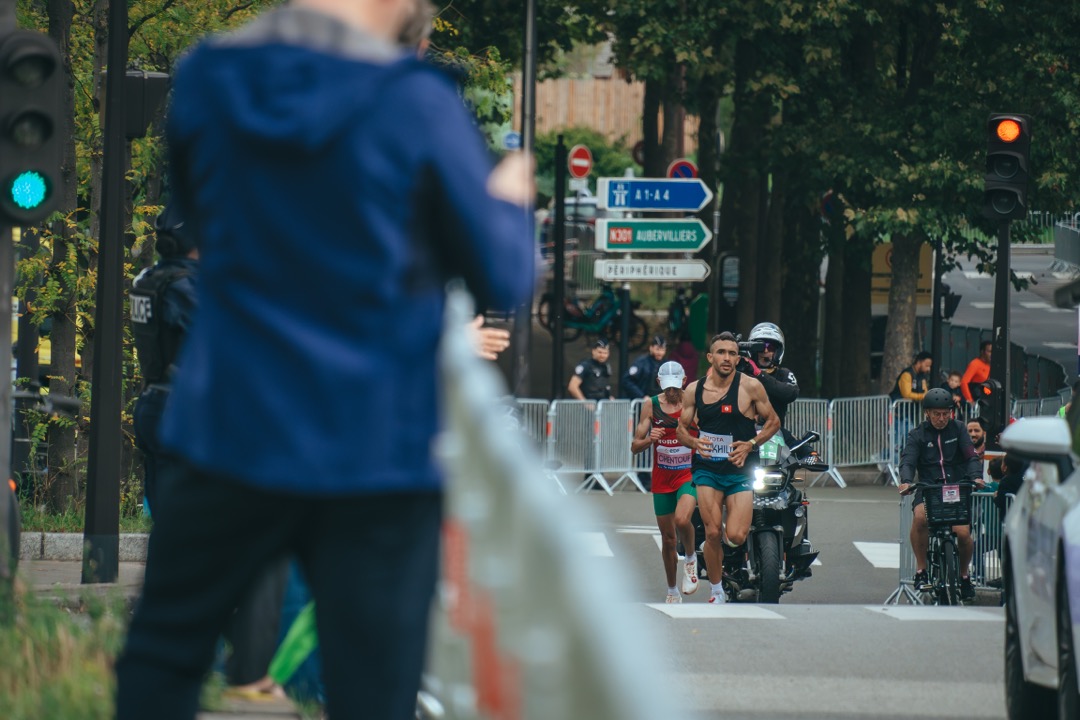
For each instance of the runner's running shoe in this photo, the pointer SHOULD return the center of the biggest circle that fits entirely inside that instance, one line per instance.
(689, 581)
(717, 599)
(673, 600)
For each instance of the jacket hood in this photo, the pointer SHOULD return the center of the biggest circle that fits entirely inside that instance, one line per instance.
(283, 82)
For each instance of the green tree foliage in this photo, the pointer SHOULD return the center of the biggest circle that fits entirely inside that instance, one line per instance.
(610, 159)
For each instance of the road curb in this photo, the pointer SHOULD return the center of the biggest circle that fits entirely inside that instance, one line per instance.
(34, 545)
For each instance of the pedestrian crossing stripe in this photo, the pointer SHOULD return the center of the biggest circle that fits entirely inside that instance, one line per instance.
(881, 555)
(595, 544)
(900, 613)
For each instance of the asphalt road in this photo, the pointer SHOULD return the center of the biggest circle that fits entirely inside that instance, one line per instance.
(830, 649)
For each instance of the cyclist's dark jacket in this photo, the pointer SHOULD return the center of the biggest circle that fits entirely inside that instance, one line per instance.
(782, 389)
(595, 379)
(723, 418)
(640, 380)
(935, 454)
(162, 305)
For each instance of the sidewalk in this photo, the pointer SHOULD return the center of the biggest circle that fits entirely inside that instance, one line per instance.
(61, 581)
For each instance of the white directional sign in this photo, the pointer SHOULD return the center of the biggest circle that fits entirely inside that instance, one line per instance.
(651, 270)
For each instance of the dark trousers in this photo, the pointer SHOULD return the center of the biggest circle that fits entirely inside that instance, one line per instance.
(160, 470)
(371, 562)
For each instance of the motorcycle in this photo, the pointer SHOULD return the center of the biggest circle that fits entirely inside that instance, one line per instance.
(777, 551)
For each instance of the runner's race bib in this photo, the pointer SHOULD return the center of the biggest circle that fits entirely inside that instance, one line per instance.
(721, 445)
(673, 457)
(950, 493)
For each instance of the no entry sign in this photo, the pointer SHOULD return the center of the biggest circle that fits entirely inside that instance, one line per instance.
(579, 161)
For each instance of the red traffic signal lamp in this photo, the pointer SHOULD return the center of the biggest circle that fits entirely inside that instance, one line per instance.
(1008, 166)
(990, 399)
(31, 117)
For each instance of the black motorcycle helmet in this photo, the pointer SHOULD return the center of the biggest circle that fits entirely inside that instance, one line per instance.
(937, 399)
(174, 239)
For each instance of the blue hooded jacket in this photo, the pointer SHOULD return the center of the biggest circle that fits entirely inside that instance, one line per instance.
(335, 185)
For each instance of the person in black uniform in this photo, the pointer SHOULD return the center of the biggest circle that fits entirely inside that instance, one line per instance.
(592, 377)
(163, 303)
(725, 405)
(941, 451)
(639, 381)
(780, 383)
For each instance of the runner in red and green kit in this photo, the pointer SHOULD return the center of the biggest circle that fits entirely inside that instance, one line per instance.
(674, 498)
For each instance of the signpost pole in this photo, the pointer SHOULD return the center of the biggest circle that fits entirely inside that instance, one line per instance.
(937, 316)
(522, 327)
(999, 360)
(624, 332)
(558, 282)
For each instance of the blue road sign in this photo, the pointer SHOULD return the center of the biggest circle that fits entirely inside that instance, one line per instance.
(652, 194)
(512, 140)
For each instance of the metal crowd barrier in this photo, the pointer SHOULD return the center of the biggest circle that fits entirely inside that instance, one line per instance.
(615, 420)
(858, 434)
(903, 416)
(986, 531)
(573, 428)
(643, 459)
(805, 415)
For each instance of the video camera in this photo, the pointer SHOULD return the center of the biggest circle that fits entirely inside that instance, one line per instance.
(750, 348)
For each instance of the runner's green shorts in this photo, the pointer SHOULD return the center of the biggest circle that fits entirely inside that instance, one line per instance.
(727, 484)
(664, 503)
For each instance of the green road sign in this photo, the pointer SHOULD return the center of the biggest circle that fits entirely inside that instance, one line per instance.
(651, 235)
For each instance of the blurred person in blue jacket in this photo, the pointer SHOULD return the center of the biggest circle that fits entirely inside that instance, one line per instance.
(335, 183)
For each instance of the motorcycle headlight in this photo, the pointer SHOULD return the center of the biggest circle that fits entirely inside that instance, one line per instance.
(766, 481)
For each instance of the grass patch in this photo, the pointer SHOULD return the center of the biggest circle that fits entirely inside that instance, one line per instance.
(35, 519)
(55, 663)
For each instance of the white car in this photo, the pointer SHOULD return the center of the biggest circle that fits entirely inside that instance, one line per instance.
(1042, 574)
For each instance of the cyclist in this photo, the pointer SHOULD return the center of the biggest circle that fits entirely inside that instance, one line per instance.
(941, 451)
(780, 383)
(674, 498)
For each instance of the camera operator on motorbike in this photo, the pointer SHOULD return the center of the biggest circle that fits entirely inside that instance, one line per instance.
(725, 405)
(674, 498)
(941, 451)
(764, 364)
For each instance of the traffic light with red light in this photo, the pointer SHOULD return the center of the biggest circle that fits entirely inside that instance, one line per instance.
(1008, 166)
(991, 402)
(31, 122)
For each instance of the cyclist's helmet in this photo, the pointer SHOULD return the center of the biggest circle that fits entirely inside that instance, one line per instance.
(671, 375)
(937, 399)
(769, 332)
(174, 239)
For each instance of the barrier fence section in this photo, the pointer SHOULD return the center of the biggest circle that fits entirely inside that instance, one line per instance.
(572, 431)
(986, 532)
(858, 434)
(512, 634)
(615, 422)
(903, 416)
(805, 415)
(643, 460)
(533, 418)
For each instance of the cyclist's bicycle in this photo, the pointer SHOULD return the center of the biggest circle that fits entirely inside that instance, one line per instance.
(947, 504)
(600, 318)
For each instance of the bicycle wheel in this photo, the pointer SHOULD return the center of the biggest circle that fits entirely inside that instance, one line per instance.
(950, 573)
(543, 314)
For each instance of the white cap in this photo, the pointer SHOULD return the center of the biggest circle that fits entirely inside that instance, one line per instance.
(671, 375)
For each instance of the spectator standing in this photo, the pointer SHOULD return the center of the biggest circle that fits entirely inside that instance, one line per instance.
(914, 380)
(952, 384)
(592, 376)
(639, 381)
(686, 355)
(978, 370)
(976, 428)
(280, 136)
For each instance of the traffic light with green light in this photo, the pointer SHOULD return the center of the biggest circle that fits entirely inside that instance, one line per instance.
(31, 118)
(1008, 166)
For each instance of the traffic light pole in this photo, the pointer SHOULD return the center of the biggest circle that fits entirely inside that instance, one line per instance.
(937, 318)
(999, 360)
(101, 539)
(558, 280)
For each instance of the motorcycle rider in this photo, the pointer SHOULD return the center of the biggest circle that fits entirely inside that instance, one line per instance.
(674, 498)
(938, 447)
(779, 382)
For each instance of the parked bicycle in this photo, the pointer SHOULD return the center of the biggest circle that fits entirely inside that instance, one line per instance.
(600, 318)
(947, 504)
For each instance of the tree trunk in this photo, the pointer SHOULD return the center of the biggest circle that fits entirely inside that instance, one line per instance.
(802, 295)
(834, 359)
(673, 141)
(772, 258)
(900, 327)
(62, 481)
(857, 316)
(650, 129)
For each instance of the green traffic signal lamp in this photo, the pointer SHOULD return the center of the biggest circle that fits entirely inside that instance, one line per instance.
(31, 112)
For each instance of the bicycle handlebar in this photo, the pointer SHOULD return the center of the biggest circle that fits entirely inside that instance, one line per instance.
(920, 485)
